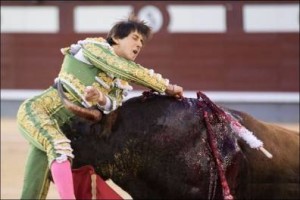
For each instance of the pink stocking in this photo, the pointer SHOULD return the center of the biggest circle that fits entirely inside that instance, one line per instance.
(63, 180)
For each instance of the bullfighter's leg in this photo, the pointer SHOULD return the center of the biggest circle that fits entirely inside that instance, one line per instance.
(39, 121)
(36, 181)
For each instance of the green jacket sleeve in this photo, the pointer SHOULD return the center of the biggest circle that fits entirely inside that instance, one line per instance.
(122, 68)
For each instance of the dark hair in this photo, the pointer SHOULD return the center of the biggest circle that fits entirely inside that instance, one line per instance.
(123, 28)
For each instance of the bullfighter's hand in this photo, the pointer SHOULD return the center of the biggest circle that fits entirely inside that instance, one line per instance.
(174, 90)
(95, 96)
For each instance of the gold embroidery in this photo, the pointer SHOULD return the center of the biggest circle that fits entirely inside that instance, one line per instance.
(128, 70)
(75, 82)
(35, 117)
(65, 50)
(108, 80)
(97, 39)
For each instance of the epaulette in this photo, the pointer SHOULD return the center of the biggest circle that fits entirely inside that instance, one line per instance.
(96, 39)
(65, 50)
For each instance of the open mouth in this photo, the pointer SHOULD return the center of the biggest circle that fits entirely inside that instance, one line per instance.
(135, 52)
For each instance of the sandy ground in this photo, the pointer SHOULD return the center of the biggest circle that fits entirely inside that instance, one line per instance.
(13, 156)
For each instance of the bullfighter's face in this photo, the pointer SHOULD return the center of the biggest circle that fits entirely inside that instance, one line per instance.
(130, 46)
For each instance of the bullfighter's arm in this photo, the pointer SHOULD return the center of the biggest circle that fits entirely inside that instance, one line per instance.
(124, 69)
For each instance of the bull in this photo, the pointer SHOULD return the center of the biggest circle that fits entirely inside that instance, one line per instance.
(156, 147)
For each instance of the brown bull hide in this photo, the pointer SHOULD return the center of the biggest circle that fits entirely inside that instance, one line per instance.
(276, 178)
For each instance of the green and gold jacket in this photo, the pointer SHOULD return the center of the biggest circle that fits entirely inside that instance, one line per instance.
(108, 72)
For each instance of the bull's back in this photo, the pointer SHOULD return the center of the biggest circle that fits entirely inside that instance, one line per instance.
(276, 178)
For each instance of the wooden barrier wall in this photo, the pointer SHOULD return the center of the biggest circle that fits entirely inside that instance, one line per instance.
(228, 61)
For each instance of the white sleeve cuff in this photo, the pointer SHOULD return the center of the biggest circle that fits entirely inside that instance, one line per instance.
(107, 106)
